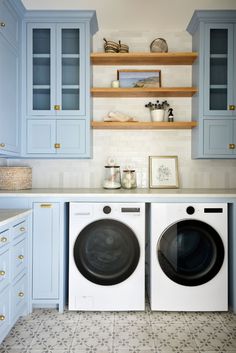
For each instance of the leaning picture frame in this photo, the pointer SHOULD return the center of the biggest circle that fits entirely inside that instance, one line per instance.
(163, 172)
(139, 78)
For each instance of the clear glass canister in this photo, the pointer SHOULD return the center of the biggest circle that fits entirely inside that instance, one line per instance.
(129, 179)
(112, 177)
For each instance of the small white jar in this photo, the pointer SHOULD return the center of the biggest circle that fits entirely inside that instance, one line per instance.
(157, 114)
(115, 84)
(128, 180)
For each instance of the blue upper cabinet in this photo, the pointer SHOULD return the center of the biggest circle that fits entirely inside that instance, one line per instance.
(56, 89)
(10, 22)
(214, 73)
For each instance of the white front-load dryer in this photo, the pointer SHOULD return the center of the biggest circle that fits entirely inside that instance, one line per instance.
(107, 256)
(188, 257)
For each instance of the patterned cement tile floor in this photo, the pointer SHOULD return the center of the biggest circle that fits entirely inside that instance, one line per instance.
(47, 331)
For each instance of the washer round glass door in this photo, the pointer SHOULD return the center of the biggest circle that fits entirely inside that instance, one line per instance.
(190, 252)
(106, 252)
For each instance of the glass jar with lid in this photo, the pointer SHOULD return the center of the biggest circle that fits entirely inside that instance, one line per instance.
(112, 177)
(128, 180)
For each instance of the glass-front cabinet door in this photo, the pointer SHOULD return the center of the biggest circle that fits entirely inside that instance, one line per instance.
(56, 70)
(219, 93)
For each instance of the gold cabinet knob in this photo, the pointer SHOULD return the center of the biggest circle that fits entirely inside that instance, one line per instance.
(46, 205)
(2, 273)
(231, 146)
(21, 294)
(21, 257)
(3, 240)
(2, 317)
(22, 229)
(2, 24)
(57, 145)
(231, 107)
(57, 107)
(2, 145)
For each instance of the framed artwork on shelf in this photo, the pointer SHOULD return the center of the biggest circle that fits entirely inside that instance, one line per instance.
(163, 172)
(139, 78)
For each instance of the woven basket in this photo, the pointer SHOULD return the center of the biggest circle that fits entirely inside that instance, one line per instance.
(15, 178)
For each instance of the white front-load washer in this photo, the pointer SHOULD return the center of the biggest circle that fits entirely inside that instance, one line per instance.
(107, 256)
(188, 257)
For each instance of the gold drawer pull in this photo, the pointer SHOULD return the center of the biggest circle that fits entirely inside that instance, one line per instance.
(57, 145)
(2, 145)
(21, 257)
(3, 240)
(232, 146)
(46, 205)
(2, 24)
(22, 229)
(57, 107)
(2, 318)
(231, 107)
(21, 294)
(2, 273)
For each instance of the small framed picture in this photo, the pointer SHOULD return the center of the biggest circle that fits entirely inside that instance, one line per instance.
(163, 172)
(139, 78)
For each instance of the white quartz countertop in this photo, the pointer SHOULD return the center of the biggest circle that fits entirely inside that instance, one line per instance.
(121, 193)
(11, 215)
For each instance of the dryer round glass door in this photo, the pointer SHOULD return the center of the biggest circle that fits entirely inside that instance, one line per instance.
(190, 252)
(106, 252)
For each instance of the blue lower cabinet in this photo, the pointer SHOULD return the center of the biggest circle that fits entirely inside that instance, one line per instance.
(46, 247)
(14, 272)
(219, 137)
(56, 137)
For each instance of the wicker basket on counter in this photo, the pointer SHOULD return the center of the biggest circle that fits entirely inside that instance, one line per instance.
(15, 178)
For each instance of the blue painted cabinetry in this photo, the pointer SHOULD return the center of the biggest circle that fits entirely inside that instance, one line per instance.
(214, 74)
(9, 73)
(56, 108)
(14, 272)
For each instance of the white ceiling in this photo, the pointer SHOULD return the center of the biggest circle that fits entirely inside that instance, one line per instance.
(136, 14)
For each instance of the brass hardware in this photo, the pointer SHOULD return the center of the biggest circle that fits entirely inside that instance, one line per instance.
(2, 145)
(3, 240)
(57, 145)
(2, 273)
(21, 294)
(2, 24)
(231, 107)
(232, 146)
(2, 318)
(21, 257)
(57, 107)
(46, 205)
(22, 229)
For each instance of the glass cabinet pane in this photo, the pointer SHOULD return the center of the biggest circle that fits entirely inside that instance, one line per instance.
(41, 69)
(218, 69)
(70, 66)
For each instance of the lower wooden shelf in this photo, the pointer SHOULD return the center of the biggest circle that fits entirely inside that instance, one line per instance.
(143, 125)
(104, 92)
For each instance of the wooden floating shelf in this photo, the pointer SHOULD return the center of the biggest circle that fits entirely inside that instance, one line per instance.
(143, 125)
(143, 92)
(144, 58)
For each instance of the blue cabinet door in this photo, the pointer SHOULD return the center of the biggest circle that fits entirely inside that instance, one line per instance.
(46, 247)
(71, 136)
(41, 136)
(219, 137)
(219, 69)
(9, 109)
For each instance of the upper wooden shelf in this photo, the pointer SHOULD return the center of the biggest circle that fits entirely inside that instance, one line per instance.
(143, 92)
(144, 58)
(143, 125)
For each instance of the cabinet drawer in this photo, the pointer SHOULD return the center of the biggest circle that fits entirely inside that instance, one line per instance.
(8, 23)
(19, 297)
(4, 312)
(19, 229)
(4, 237)
(4, 269)
(19, 257)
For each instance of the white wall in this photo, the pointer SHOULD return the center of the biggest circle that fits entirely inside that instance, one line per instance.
(137, 23)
